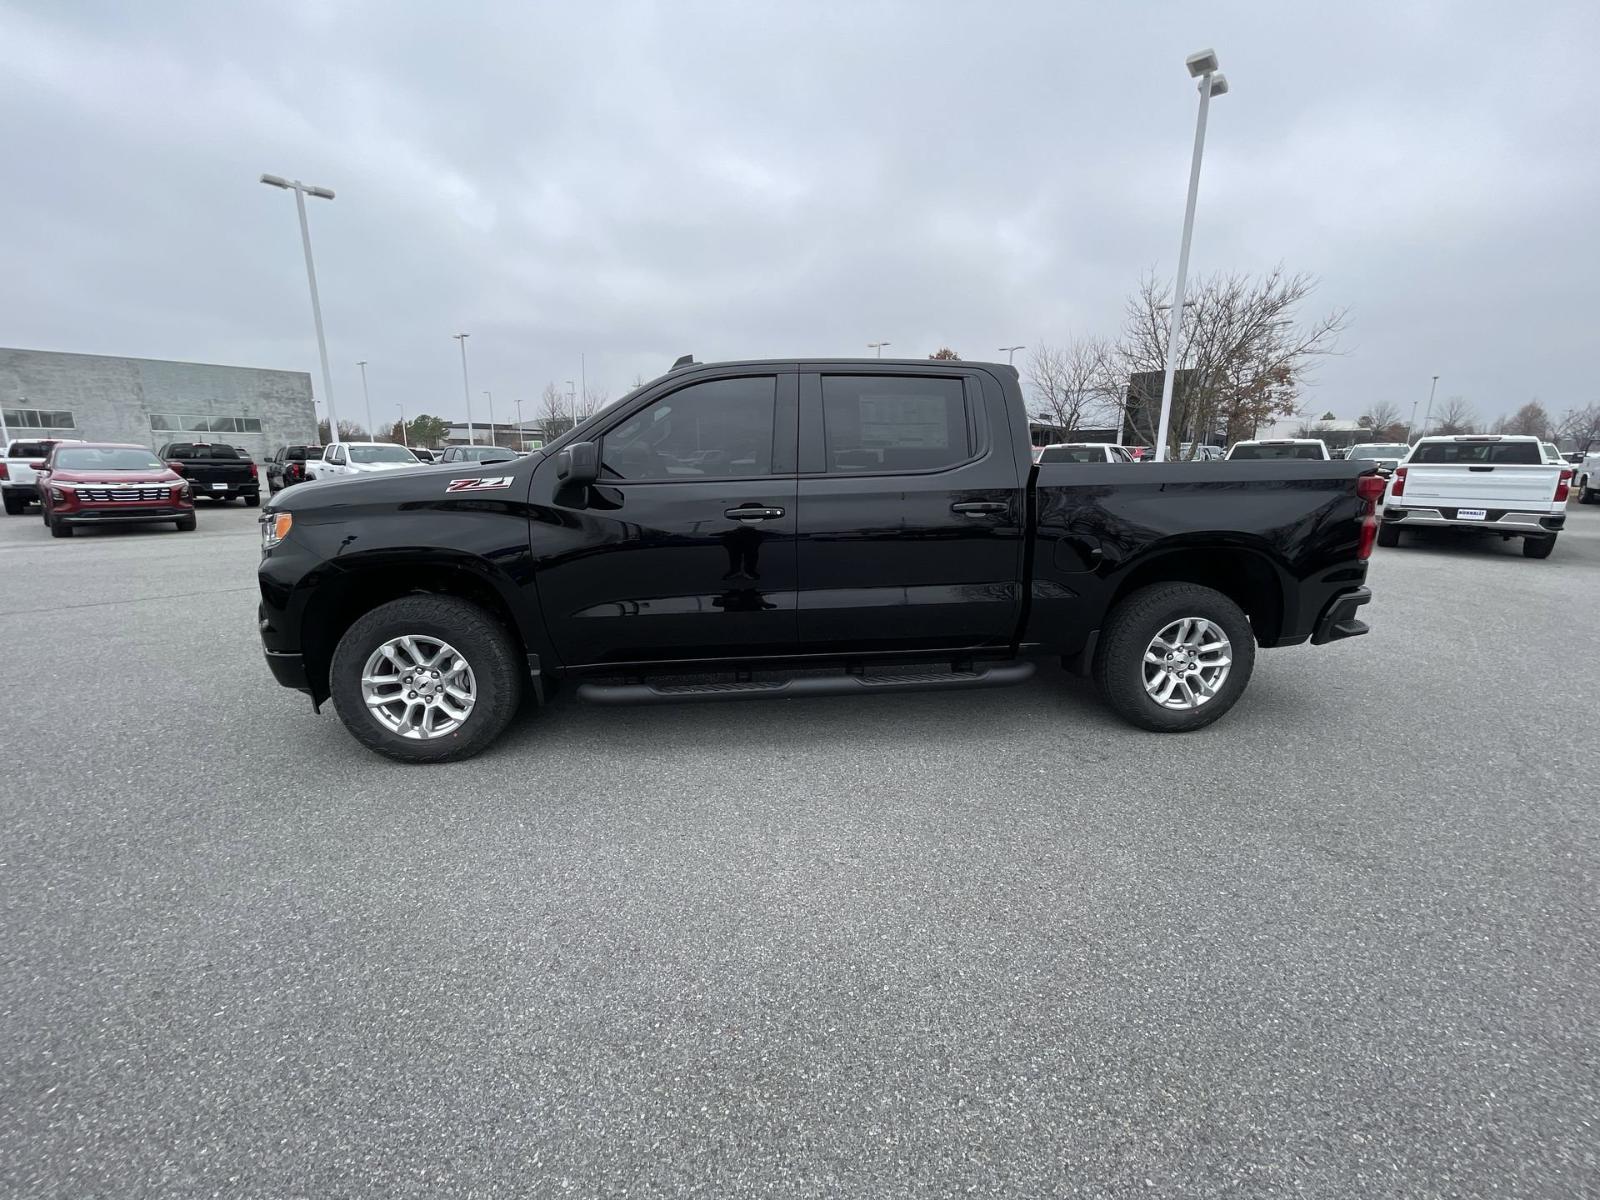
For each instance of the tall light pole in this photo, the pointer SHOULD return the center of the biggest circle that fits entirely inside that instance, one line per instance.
(522, 434)
(372, 431)
(583, 379)
(1427, 416)
(1011, 353)
(878, 346)
(494, 439)
(405, 437)
(301, 191)
(466, 388)
(1202, 66)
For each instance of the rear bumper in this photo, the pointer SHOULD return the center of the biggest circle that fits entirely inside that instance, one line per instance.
(12, 488)
(122, 515)
(1338, 620)
(1495, 520)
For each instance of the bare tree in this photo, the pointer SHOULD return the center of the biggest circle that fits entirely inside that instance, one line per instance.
(591, 402)
(554, 419)
(1074, 385)
(1581, 425)
(1245, 351)
(638, 380)
(1456, 417)
(1530, 419)
(946, 353)
(1382, 417)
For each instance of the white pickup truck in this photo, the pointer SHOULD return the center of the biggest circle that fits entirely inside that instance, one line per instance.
(359, 458)
(1589, 477)
(1489, 483)
(18, 487)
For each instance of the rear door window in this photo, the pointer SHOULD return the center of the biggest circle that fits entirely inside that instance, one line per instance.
(883, 423)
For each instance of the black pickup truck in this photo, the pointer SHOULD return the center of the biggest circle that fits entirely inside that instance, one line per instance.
(215, 470)
(781, 529)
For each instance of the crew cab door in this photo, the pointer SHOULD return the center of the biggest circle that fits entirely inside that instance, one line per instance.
(911, 510)
(684, 548)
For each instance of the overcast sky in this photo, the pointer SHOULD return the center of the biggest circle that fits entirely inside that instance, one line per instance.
(634, 181)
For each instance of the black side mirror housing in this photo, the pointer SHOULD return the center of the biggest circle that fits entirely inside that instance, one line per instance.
(578, 463)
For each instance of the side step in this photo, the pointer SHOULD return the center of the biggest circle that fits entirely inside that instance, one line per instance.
(988, 676)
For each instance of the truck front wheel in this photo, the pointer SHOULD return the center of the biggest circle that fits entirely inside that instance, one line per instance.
(1174, 657)
(426, 679)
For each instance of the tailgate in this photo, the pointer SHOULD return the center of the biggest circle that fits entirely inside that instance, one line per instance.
(18, 470)
(1525, 487)
(206, 471)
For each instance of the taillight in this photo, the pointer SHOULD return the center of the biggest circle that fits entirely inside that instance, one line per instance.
(1564, 487)
(253, 474)
(1369, 488)
(3, 473)
(1398, 487)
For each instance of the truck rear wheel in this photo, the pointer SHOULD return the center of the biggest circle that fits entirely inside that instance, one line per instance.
(1174, 657)
(1537, 547)
(426, 679)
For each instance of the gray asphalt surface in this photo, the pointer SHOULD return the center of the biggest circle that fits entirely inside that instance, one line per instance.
(1344, 943)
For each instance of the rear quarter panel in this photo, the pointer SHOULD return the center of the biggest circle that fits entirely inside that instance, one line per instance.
(1102, 529)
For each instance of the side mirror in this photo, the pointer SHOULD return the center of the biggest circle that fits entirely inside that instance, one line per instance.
(174, 465)
(579, 463)
(39, 466)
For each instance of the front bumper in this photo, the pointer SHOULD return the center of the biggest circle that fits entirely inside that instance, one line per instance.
(288, 669)
(1338, 620)
(1495, 520)
(122, 514)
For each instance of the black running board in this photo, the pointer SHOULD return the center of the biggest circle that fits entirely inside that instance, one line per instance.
(995, 675)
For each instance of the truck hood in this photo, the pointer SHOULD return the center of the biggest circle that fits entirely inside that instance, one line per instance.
(151, 475)
(409, 484)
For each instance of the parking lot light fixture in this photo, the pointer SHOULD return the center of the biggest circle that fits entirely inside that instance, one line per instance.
(405, 437)
(1011, 353)
(466, 388)
(494, 436)
(372, 430)
(878, 346)
(301, 191)
(1202, 66)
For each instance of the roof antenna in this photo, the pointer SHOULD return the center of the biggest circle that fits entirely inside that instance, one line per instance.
(686, 361)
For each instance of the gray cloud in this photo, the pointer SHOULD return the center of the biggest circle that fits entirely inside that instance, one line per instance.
(633, 181)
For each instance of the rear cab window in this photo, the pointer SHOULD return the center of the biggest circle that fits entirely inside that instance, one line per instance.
(29, 450)
(1489, 453)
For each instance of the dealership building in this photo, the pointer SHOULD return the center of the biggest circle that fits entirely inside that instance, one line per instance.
(149, 401)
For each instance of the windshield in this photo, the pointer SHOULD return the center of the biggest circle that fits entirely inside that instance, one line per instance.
(1243, 450)
(107, 458)
(381, 454)
(1524, 453)
(1397, 450)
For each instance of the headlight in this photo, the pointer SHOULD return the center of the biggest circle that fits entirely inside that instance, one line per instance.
(57, 494)
(274, 528)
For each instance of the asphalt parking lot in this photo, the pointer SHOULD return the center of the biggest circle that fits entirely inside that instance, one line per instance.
(1344, 943)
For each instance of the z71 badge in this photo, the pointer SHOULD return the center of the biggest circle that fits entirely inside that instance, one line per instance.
(490, 483)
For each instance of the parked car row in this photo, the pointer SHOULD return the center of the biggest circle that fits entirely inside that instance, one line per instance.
(79, 483)
(290, 465)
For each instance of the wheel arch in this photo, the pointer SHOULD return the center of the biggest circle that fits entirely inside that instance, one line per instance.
(1246, 575)
(342, 599)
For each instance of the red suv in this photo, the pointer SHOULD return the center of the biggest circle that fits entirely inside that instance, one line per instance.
(102, 483)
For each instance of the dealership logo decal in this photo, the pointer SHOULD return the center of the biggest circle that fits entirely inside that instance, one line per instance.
(489, 483)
